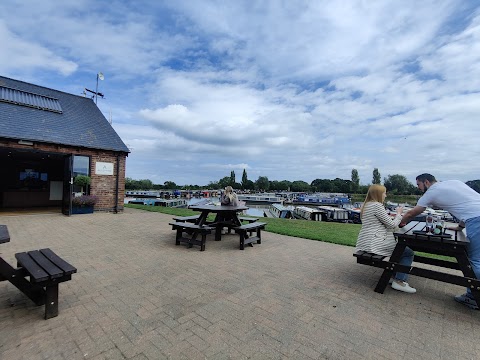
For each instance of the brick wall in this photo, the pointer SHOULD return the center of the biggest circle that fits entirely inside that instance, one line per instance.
(103, 186)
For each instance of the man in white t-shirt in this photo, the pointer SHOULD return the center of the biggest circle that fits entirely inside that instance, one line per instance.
(461, 201)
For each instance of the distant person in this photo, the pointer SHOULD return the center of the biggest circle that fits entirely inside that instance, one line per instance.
(376, 235)
(229, 197)
(461, 201)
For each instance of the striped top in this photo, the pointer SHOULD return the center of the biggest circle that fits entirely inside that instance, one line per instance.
(376, 235)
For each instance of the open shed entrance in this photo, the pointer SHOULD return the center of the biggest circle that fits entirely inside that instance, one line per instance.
(32, 180)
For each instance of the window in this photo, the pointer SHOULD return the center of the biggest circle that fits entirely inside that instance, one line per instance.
(81, 165)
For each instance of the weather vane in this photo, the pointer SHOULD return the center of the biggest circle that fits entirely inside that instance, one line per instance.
(95, 93)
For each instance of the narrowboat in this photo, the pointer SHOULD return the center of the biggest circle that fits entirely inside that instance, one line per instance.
(279, 211)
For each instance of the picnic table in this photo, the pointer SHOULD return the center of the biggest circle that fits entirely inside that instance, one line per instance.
(225, 216)
(37, 275)
(449, 243)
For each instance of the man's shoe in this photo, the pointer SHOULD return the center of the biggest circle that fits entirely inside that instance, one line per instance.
(403, 286)
(467, 300)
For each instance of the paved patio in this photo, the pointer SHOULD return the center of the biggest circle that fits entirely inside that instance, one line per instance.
(138, 296)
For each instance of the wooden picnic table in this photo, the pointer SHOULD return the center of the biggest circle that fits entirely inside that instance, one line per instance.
(450, 243)
(225, 216)
(37, 274)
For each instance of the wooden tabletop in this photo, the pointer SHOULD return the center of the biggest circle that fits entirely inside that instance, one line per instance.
(416, 230)
(214, 208)
(4, 235)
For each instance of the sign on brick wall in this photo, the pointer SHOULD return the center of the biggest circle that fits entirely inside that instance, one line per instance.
(103, 168)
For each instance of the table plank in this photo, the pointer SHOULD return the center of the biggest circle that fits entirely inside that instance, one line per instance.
(4, 235)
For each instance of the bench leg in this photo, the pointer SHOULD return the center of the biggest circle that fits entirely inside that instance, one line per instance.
(204, 239)
(178, 237)
(259, 241)
(242, 240)
(51, 301)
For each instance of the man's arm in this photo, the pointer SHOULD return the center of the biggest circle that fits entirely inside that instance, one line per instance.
(411, 214)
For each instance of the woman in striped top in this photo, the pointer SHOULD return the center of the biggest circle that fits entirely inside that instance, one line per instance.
(376, 235)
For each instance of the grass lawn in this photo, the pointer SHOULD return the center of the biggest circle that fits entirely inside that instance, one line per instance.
(337, 233)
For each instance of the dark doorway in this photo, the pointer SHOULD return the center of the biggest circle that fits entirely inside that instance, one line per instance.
(31, 179)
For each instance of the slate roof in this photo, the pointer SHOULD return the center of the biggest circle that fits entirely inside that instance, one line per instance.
(80, 122)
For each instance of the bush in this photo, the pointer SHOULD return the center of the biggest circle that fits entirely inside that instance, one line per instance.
(82, 180)
(84, 200)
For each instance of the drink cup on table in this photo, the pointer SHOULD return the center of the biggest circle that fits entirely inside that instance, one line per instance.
(429, 222)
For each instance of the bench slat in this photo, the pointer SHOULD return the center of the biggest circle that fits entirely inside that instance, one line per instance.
(190, 226)
(368, 256)
(50, 268)
(186, 218)
(254, 225)
(58, 261)
(36, 272)
(246, 218)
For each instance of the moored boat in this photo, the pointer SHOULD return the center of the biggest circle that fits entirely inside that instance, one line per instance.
(279, 211)
(260, 198)
(308, 213)
(173, 203)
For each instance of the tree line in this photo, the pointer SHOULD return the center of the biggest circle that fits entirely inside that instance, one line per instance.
(396, 184)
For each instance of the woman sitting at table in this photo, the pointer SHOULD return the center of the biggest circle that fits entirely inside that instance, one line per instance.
(376, 235)
(229, 197)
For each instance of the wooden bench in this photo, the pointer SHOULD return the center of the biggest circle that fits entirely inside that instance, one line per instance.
(247, 219)
(194, 230)
(244, 219)
(44, 270)
(371, 259)
(247, 238)
(191, 219)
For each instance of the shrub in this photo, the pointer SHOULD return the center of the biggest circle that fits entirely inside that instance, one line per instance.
(84, 200)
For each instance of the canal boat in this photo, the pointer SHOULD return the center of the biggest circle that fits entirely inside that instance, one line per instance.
(260, 198)
(308, 213)
(172, 203)
(331, 213)
(279, 211)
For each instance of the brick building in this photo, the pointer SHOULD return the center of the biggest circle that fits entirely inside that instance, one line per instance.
(47, 138)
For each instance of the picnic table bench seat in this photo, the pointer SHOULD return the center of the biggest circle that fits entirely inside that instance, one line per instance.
(245, 233)
(366, 258)
(192, 229)
(248, 219)
(38, 274)
(192, 218)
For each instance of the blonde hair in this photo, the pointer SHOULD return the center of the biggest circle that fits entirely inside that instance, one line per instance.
(374, 194)
(229, 192)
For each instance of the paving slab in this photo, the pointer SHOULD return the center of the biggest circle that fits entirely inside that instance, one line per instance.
(139, 296)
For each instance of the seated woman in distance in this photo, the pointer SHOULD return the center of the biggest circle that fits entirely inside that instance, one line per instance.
(229, 197)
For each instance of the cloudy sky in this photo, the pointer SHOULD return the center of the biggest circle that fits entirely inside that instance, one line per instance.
(290, 90)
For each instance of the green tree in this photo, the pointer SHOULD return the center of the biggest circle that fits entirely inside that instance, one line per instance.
(232, 178)
(170, 185)
(300, 186)
(225, 181)
(250, 185)
(285, 185)
(213, 185)
(398, 184)
(355, 180)
(244, 179)
(262, 183)
(376, 176)
(321, 185)
(341, 186)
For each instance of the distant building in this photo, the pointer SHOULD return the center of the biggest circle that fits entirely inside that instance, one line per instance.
(47, 137)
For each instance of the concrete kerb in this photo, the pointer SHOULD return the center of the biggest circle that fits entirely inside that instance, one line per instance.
(138, 296)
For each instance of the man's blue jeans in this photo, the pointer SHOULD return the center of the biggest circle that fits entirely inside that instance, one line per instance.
(406, 259)
(473, 251)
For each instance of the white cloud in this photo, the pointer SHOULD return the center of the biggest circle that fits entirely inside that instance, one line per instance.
(288, 90)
